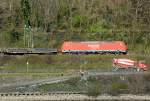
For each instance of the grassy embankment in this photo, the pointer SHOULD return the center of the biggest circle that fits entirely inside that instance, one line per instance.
(57, 64)
(94, 86)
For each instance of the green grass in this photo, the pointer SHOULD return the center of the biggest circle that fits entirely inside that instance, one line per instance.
(61, 63)
(73, 84)
(94, 86)
(29, 74)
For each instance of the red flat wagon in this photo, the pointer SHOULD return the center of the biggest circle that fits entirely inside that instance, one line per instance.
(99, 47)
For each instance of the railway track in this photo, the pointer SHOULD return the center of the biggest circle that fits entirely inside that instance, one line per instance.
(69, 96)
(39, 93)
(24, 51)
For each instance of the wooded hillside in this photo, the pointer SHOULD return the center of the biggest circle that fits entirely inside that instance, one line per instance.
(47, 23)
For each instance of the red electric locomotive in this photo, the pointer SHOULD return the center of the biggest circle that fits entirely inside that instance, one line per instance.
(99, 47)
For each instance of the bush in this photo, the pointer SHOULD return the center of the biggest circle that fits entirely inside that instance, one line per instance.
(94, 90)
(116, 88)
(94, 87)
(73, 81)
(78, 20)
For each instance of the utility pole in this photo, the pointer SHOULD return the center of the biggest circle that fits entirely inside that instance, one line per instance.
(28, 37)
(26, 11)
(27, 66)
(32, 40)
(25, 35)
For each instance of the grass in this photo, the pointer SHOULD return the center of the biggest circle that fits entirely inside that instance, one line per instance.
(94, 86)
(69, 85)
(61, 63)
(55, 65)
(29, 75)
(118, 87)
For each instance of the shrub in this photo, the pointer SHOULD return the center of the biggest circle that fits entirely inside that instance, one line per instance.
(73, 81)
(116, 88)
(94, 90)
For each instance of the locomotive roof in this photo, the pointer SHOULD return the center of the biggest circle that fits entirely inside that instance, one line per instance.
(94, 41)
